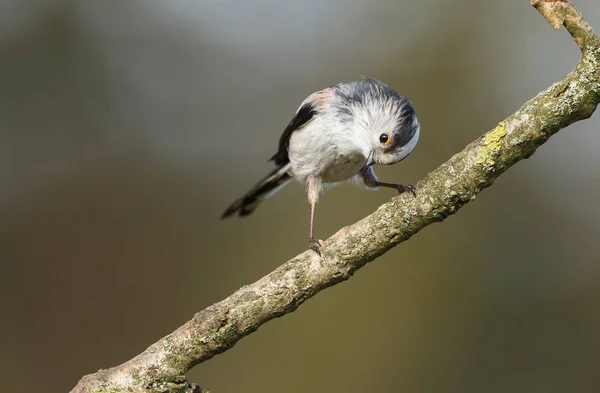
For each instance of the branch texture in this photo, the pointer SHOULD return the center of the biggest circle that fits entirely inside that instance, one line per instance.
(162, 366)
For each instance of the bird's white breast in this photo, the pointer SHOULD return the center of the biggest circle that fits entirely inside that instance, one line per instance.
(325, 148)
(343, 167)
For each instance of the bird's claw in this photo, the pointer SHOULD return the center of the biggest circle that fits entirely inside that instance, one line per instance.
(409, 187)
(316, 245)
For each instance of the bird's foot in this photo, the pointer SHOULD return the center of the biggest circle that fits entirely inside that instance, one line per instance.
(316, 245)
(409, 187)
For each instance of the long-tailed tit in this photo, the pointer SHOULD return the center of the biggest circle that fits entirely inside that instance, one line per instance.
(338, 134)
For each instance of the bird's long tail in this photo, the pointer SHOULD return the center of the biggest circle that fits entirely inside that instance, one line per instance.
(268, 186)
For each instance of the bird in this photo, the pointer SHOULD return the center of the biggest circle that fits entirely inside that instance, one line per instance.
(338, 134)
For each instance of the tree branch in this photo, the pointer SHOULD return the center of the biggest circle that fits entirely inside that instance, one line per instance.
(162, 366)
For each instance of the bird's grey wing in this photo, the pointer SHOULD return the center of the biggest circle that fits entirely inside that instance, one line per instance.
(304, 114)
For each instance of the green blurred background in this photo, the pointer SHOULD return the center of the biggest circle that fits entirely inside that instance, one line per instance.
(127, 127)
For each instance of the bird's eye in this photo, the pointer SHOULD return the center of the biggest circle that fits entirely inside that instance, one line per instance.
(385, 139)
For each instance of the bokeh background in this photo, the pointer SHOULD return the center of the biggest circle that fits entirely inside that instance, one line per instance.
(127, 127)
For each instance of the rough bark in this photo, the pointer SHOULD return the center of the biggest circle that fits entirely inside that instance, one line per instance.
(162, 366)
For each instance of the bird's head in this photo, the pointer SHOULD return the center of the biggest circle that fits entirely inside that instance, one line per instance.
(385, 120)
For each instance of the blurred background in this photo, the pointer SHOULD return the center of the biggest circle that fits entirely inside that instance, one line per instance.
(127, 127)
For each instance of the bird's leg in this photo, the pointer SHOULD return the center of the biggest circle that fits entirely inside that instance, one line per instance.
(314, 244)
(370, 180)
(401, 188)
(313, 187)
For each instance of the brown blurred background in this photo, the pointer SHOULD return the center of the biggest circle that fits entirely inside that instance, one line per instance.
(126, 128)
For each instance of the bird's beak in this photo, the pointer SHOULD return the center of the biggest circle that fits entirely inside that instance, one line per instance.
(370, 160)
